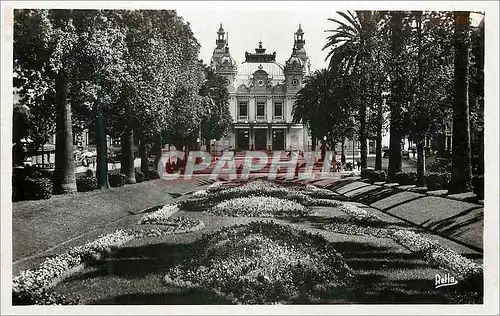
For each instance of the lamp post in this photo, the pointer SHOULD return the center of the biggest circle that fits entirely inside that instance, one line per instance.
(353, 143)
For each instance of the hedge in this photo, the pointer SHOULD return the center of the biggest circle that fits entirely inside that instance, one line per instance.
(117, 179)
(406, 178)
(437, 180)
(373, 175)
(86, 183)
(139, 176)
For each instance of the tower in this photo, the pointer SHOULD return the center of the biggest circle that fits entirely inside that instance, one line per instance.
(222, 61)
(220, 48)
(299, 43)
(294, 72)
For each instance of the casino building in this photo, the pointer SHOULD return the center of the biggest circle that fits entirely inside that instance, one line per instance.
(262, 92)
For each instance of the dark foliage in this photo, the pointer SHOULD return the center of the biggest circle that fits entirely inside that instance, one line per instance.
(406, 178)
(117, 179)
(86, 183)
(373, 175)
(139, 176)
(437, 180)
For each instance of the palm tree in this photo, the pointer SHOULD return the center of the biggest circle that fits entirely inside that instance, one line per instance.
(397, 95)
(461, 173)
(351, 52)
(311, 106)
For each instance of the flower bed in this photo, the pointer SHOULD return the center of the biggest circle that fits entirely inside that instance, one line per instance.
(444, 257)
(306, 196)
(422, 246)
(162, 214)
(358, 214)
(264, 263)
(320, 193)
(259, 206)
(33, 287)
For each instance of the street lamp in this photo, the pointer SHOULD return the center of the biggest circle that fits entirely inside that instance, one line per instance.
(353, 143)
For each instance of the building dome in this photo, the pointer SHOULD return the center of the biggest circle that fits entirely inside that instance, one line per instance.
(227, 61)
(273, 69)
(294, 60)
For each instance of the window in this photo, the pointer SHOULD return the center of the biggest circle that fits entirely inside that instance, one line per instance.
(261, 110)
(243, 110)
(278, 110)
(295, 82)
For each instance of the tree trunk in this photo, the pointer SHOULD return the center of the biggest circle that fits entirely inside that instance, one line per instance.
(395, 162)
(207, 146)
(157, 150)
(144, 155)
(461, 173)
(362, 135)
(342, 156)
(378, 144)
(420, 162)
(313, 142)
(102, 151)
(127, 163)
(64, 173)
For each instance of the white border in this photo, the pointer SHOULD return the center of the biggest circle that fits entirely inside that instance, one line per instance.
(491, 220)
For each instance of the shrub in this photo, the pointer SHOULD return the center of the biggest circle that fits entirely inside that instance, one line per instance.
(478, 186)
(139, 176)
(440, 165)
(437, 180)
(152, 174)
(406, 178)
(89, 173)
(117, 179)
(373, 175)
(86, 183)
(34, 189)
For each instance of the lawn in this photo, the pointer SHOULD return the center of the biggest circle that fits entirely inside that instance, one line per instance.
(305, 247)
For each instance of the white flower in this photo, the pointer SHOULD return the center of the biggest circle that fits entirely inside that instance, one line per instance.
(163, 213)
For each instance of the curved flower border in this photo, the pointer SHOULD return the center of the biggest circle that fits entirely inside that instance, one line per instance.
(35, 284)
(308, 196)
(163, 213)
(259, 206)
(427, 248)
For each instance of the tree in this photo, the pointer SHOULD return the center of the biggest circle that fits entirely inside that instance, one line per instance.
(34, 112)
(218, 117)
(44, 47)
(397, 94)
(461, 174)
(428, 87)
(352, 47)
(99, 71)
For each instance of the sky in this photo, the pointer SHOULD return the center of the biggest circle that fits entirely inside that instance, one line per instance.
(275, 28)
(273, 23)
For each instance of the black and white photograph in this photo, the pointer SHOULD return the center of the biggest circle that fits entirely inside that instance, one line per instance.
(228, 157)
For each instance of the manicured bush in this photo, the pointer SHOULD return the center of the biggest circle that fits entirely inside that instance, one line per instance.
(440, 165)
(406, 178)
(117, 179)
(373, 175)
(139, 176)
(478, 186)
(152, 174)
(35, 189)
(86, 183)
(437, 180)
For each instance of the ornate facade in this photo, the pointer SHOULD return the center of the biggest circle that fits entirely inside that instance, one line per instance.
(262, 92)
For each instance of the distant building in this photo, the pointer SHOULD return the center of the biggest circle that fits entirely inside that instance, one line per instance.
(262, 92)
